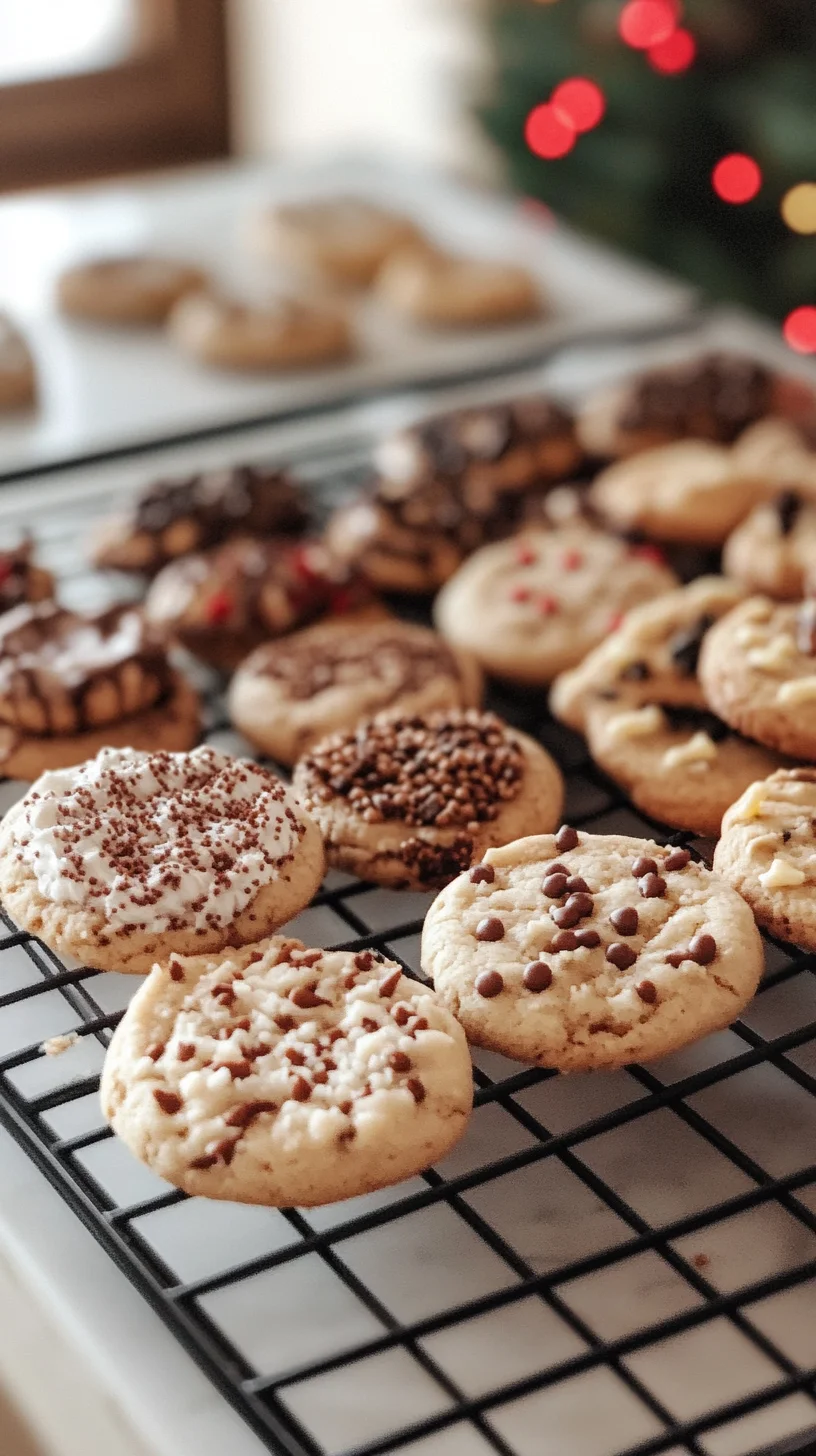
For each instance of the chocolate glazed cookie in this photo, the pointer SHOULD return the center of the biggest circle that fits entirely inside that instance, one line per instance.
(446, 486)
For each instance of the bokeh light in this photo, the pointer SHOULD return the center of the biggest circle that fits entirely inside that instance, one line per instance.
(645, 23)
(799, 208)
(547, 133)
(736, 178)
(673, 55)
(799, 330)
(579, 102)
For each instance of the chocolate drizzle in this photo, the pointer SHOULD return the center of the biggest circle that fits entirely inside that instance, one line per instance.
(684, 647)
(403, 659)
(788, 507)
(714, 397)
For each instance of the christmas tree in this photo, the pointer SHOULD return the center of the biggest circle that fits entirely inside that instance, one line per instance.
(694, 143)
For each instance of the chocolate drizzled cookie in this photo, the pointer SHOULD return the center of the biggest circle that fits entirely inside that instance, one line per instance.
(21, 580)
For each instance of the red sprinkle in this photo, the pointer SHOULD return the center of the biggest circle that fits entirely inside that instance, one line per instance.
(547, 606)
(571, 560)
(520, 594)
(525, 555)
(647, 552)
(615, 621)
(219, 608)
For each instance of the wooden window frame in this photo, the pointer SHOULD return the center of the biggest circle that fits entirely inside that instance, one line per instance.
(164, 105)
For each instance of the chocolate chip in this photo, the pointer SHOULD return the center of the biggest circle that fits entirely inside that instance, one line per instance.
(582, 902)
(625, 920)
(489, 984)
(652, 887)
(566, 838)
(620, 955)
(636, 672)
(399, 1062)
(676, 957)
(566, 940)
(246, 1112)
(587, 938)
(301, 1090)
(364, 960)
(185, 1051)
(389, 985)
(482, 874)
(537, 976)
(677, 860)
(684, 647)
(576, 884)
(490, 928)
(788, 505)
(556, 869)
(169, 1102)
(176, 971)
(702, 949)
(155, 1051)
(643, 866)
(555, 886)
(306, 997)
(565, 916)
(416, 1089)
(647, 991)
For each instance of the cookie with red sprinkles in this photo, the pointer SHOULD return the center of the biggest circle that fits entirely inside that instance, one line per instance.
(281, 1075)
(133, 857)
(535, 604)
(579, 951)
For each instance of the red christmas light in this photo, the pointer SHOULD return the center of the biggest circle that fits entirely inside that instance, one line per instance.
(645, 23)
(736, 178)
(673, 55)
(579, 103)
(547, 133)
(799, 330)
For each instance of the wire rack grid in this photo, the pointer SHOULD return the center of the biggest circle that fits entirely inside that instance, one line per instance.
(616, 1263)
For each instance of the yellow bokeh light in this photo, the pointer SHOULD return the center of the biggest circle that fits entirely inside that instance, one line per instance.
(799, 207)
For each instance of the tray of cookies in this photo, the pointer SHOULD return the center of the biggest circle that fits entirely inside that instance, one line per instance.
(158, 309)
(376, 980)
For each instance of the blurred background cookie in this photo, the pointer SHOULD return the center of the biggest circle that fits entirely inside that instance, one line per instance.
(443, 290)
(18, 375)
(345, 239)
(220, 604)
(533, 605)
(21, 579)
(689, 491)
(171, 518)
(284, 333)
(758, 671)
(774, 549)
(132, 290)
(447, 485)
(289, 694)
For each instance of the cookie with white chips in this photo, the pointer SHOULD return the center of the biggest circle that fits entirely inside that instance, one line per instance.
(774, 549)
(280, 1075)
(581, 951)
(768, 853)
(758, 671)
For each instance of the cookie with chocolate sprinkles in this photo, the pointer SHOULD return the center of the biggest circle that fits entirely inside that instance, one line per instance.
(601, 950)
(409, 801)
(281, 1075)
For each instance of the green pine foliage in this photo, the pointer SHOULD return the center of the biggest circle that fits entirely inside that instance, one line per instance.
(642, 178)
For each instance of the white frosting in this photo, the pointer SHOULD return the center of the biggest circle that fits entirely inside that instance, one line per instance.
(196, 834)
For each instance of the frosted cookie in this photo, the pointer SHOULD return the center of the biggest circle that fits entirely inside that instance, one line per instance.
(18, 374)
(133, 857)
(70, 684)
(774, 549)
(21, 579)
(713, 397)
(580, 951)
(758, 671)
(409, 801)
(127, 290)
(447, 485)
(285, 333)
(285, 1076)
(690, 491)
(534, 605)
(442, 290)
(220, 604)
(288, 695)
(768, 853)
(345, 239)
(171, 518)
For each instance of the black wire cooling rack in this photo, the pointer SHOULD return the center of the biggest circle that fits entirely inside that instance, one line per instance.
(617, 1263)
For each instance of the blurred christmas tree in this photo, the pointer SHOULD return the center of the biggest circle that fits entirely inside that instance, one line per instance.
(681, 86)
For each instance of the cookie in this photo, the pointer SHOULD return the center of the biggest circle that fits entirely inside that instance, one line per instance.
(768, 853)
(284, 333)
(21, 579)
(344, 239)
(690, 491)
(714, 397)
(70, 684)
(773, 551)
(534, 605)
(285, 1076)
(288, 695)
(582, 951)
(447, 485)
(409, 801)
(171, 518)
(780, 449)
(441, 290)
(220, 604)
(133, 857)
(18, 374)
(127, 290)
(758, 671)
